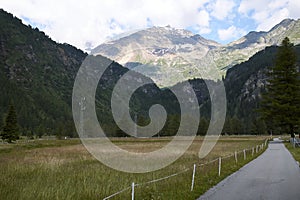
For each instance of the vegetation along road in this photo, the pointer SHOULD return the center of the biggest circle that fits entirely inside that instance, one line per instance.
(273, 175)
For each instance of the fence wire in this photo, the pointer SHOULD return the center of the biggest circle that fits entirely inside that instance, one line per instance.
(213, 164)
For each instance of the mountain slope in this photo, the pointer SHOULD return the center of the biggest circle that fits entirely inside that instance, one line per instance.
(242, 49)
(169, 55)
(38, 74)
(160, 53)
(244, 84)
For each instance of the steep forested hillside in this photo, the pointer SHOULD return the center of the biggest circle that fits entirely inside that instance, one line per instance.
(37, 76)
(244, 84)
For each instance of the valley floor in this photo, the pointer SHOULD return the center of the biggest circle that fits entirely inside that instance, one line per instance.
(63, 169)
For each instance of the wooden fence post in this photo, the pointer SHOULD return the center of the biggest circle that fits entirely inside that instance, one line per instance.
(220, 163)
(132, 191)
(193, 177)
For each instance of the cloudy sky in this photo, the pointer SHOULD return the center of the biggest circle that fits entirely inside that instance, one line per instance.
(91, 22)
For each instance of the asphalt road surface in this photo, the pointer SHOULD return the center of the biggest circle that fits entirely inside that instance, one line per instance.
(273, 175)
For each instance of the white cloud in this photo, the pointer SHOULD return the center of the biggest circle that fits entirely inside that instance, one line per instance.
(92, 22)
(266, 22)
(89, 23)
(203, 18)
(204, 30)
(246, 6)
(230, 33)
(221, 9)
(268, 13)
(294, 8)
(202, 25)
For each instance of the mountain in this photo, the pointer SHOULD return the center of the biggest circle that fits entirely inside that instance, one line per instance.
(244, 48)
(169, 55)
(244, 84)
(38, 74)
(161, 53)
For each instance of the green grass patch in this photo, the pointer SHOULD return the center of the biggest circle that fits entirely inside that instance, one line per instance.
(63, 169)
(33, 144)
(294, 151)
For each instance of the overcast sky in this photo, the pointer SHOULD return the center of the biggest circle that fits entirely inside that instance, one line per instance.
(89, 23)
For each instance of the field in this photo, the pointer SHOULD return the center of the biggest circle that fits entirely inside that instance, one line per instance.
(63, 169)
(294, 151)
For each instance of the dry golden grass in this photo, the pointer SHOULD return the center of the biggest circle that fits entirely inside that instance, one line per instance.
(66, 170)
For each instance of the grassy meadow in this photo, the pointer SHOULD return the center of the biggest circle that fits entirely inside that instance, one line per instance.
(294, 151)
(63, 169)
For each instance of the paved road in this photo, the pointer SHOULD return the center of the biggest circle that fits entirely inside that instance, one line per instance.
(273, 175)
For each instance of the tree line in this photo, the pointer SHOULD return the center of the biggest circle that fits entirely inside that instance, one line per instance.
(277, 113)
(280, 106)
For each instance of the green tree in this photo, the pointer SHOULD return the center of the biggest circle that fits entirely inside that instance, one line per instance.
(171, 126)
(227, 126)
(203, 126)
(70, 129)
(236, 125)
(281, 101)
(59, 131)
(11, 128)
(258, 126)
(40, 130)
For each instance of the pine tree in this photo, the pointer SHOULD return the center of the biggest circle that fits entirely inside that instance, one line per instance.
(258, 126)
(236, 125)
(203, 126)
(281, 101)
(227, 126)
(11, 128)
(171, 126)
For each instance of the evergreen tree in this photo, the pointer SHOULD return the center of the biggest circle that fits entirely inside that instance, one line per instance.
(171, 126)
(40, 130)
(11, 128)
(281, 101)
(236, 125)
(59, 131)
(258, 126)
(227, 126)
(203, 126)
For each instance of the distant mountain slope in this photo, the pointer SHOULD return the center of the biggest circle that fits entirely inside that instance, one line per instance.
(169, 55)
(38, 74)
(160, 53)
(244, 84)
(242, 49)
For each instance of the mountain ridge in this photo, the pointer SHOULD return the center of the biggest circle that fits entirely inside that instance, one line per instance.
(38, 75)
(171, 60)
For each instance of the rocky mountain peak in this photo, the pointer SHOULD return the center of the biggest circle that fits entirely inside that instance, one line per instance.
(169, 55)
(168, 30)
(158, 48)
(284, 23)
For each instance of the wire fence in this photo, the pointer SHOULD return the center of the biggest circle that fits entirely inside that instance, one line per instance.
(209, 166)
(295, 142)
